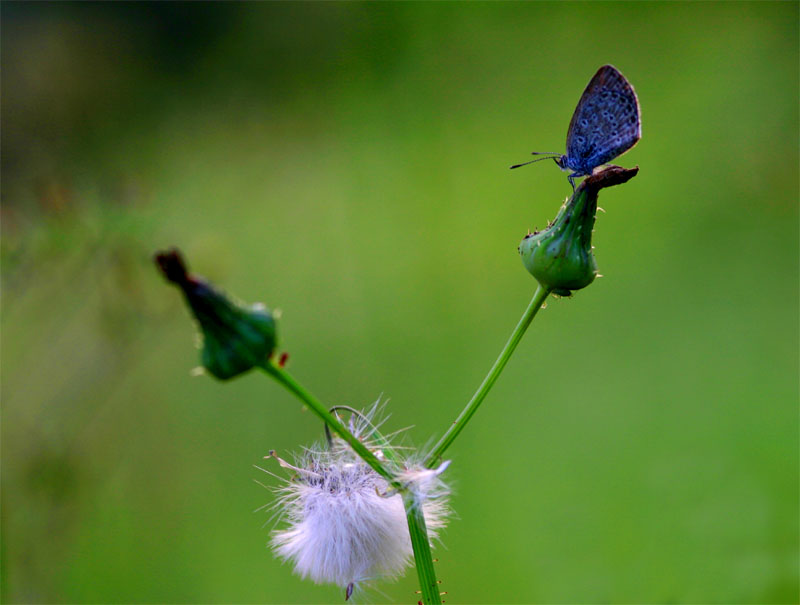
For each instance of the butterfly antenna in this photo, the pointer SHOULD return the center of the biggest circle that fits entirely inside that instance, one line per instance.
(549, 157)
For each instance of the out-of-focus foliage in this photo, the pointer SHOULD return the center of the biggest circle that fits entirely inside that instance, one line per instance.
(347, 163)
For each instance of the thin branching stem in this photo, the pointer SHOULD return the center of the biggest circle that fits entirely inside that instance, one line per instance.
(469, 410)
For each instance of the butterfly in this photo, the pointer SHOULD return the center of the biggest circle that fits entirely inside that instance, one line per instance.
(606, 123)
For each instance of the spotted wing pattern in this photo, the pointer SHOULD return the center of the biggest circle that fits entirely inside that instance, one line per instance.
(605, 124)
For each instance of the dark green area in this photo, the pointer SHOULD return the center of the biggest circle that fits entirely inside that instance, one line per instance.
(347, 164)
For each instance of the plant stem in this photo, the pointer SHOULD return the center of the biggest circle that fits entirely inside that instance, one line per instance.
(447, 439)
(320, 410)
(422, 552)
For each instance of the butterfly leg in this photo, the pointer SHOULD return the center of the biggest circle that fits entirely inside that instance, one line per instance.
(571, 178)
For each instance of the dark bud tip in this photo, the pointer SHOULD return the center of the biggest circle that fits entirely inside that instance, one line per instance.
(172, 265)
(609, 177)
(283, 359)
(349, 591)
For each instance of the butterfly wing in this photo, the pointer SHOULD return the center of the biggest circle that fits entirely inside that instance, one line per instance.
(606, 122)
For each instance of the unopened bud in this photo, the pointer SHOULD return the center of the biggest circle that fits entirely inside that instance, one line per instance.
(236, 338)
(560, 257)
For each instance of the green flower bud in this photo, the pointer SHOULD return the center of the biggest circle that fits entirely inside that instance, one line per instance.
(560, 257)
(236, 338)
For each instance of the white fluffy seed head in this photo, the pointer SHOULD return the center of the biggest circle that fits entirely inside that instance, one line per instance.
(345, 524)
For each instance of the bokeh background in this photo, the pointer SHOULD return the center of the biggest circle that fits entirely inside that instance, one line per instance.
(347, 163)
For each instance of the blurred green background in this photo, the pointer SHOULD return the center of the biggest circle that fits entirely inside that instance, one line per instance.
(347, 164)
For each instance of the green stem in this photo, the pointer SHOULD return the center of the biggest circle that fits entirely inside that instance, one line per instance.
(422, 552)
(447, 439)
(316, 406)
